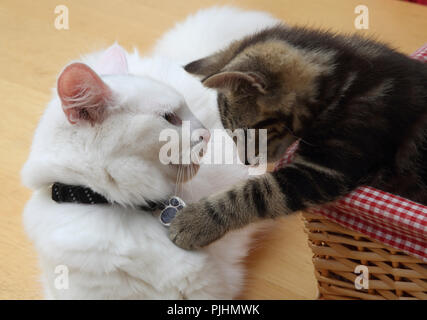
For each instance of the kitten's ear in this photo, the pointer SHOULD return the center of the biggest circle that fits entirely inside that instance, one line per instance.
(204, 67)
(83, 94)
(213, 63)
(233, 80)
(113, 61)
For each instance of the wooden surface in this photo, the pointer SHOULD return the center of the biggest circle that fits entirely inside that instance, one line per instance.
(32, 52)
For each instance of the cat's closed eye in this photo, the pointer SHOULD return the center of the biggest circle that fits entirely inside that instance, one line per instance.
(172, 118)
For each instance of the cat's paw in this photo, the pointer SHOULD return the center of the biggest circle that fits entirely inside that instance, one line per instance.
(193, 228)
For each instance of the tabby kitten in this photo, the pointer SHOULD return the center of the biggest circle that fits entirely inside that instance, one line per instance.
(359, 107)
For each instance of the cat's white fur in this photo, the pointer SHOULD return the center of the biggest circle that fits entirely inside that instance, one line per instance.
(116, 251)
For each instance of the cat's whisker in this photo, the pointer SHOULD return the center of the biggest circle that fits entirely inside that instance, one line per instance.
(178, 180)
(190, 172)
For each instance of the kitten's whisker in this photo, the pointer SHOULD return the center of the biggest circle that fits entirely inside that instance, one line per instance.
(293, 134)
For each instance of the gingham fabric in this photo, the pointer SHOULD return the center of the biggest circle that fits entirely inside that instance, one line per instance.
(421, 54)
(384, 217)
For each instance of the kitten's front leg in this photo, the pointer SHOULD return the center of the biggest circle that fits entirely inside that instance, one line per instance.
(196, 226)
(201, 223)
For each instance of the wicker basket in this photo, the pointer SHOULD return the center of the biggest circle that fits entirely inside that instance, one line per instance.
(338, 251)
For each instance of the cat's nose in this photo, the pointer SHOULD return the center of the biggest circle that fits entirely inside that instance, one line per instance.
(205, 135)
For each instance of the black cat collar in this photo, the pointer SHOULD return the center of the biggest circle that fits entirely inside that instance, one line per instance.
(78, 194)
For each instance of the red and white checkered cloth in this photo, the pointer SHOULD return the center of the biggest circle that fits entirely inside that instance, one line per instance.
(384, 217)
(420, 54)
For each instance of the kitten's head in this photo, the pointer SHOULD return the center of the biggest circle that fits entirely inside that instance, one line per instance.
(102, 130)
(264, 83)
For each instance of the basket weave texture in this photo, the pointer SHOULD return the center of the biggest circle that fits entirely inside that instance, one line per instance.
(337, 251)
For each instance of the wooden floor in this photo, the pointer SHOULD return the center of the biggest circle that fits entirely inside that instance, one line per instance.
(32, 52)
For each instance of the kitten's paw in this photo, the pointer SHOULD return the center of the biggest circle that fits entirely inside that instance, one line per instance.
(193, 228)
(169, 210)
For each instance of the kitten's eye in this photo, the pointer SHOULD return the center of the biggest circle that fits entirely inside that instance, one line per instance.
(172, 118)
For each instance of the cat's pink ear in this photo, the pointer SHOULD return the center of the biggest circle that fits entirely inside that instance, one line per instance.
(234, 80)
(113, 61)
(83, 94)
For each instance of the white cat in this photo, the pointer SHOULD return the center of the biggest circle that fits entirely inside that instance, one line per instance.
(101, 130)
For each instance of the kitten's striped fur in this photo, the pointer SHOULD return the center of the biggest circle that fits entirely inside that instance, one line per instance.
(359, 106)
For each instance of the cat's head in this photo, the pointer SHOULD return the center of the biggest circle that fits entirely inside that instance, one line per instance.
(102, 129)
(264, 83)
